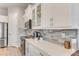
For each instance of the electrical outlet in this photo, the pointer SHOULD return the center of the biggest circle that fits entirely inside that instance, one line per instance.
(63, 35)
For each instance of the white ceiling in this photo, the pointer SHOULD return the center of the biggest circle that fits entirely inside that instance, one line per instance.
(6, 5)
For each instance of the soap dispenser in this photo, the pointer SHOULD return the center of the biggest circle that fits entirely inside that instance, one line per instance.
(67, 44)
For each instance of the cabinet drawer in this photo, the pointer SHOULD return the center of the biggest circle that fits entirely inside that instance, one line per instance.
(38, 51)
(42, 53)
(34, 51)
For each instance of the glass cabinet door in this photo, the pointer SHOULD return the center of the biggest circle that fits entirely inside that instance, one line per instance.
(33, 17)
(38, 14)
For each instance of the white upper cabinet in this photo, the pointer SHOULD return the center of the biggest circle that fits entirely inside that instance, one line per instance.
(28, 13)
(56, 16)
(60, 16)
(53, 16)
(36, 16)
(33, 17)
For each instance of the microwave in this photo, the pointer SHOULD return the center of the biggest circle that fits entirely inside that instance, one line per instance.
(28, 24)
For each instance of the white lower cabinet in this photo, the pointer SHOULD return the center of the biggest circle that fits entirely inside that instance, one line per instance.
(32, 50)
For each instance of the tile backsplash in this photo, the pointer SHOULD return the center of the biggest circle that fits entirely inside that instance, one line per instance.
(51, 34)
(60, 33)
(55, 36)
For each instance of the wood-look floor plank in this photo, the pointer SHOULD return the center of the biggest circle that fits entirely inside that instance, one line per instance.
(10, 51)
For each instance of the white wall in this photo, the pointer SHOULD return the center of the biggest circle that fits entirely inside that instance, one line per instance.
(3, 15)
(14, 14)
(74, 15)
(3, 18)
(4, 12)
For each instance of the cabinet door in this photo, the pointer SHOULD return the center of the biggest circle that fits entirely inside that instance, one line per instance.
(54, 15)
(28, 49)
(33, 51)
(42, 53)
(61, 16)
(28, 12)
(38, 14)
(33, 18)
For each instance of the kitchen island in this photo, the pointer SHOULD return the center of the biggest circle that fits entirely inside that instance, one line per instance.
(46, 48)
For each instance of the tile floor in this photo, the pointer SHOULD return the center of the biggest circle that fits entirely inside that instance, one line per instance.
(10, 51)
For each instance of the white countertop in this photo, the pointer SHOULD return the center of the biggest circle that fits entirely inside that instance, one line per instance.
(50, 48)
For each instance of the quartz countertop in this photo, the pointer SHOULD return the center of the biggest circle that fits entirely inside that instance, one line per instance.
(51, 48)
(75, 53)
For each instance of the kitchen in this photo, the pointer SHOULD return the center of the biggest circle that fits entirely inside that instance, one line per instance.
(43, 29)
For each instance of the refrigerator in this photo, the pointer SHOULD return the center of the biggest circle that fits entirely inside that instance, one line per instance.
(3, 34)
